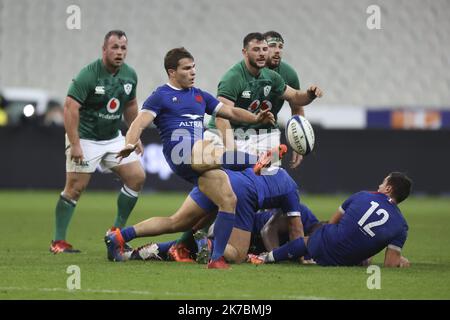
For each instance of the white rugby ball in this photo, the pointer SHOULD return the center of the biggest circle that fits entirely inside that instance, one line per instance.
(300, 135)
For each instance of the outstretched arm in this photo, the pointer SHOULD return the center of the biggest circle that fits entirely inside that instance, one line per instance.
(224, 127)
(301, 97)
(241, 115)
(141, 122)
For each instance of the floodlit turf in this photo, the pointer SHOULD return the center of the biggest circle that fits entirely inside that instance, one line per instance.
(29, 271)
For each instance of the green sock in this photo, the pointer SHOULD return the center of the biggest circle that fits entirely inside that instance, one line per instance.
(187, 238)
(63, 212)
(125, 203)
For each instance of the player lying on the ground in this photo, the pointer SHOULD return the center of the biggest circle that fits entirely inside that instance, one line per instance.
(254, 193)
(365, 224)
(270, 230)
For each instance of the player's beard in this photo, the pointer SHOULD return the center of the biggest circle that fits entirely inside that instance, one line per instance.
(254, 64)
(273, 64)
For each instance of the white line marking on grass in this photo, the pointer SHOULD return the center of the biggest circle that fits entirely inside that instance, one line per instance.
(147, 293)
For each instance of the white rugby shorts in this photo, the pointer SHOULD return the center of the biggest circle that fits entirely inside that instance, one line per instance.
(101, 154)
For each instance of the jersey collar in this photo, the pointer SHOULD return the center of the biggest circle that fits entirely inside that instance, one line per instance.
(174, 88)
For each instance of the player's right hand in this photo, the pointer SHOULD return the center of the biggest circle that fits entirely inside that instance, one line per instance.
(296, 160)
(265, 116)
(126, 151)
(404, 262)
(76, 153)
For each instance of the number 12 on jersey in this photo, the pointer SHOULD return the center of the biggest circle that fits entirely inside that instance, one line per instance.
(368, 227)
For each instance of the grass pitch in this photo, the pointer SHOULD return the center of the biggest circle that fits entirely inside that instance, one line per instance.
(29, 271)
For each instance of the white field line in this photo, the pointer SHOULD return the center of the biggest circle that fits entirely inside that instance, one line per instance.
(148, 293)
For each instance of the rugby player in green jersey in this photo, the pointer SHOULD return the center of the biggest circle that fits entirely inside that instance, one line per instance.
(252, 86)
(274, 62)
(98, 97)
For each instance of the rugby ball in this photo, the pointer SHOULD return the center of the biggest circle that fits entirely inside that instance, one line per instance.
(300, 135)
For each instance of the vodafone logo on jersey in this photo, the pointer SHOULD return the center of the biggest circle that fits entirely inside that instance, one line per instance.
(113, 105)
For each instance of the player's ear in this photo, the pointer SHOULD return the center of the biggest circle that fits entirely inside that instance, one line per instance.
(388, 188)
(171, 72)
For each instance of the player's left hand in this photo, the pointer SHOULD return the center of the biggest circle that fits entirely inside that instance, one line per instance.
(265, 116)
(296, 160)
(314, 92)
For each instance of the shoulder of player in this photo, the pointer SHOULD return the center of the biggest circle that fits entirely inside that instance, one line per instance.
(92, 68)
(130, 70)
(162, 90)
(286, 67)
(288, 74)
(271, 74)
(236, 72)
(88, 75)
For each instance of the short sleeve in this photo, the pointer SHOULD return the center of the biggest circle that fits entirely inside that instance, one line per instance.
(347, 203)
(82, 85)
(153, 104)
(229, 87)
(278, 84)
(212, 104)
(293, 80)
(399, 241)
(133, 90)
(291, 204)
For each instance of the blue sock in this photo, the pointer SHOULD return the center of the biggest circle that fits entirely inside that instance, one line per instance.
(291, 250)
(128, 233)
(238, 160)
(163, 247)
(222, 231)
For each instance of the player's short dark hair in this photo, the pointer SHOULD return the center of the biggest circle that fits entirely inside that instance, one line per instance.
(118, 33)
(401, 185)
(272, 34)
(174, 56)
(258, 36)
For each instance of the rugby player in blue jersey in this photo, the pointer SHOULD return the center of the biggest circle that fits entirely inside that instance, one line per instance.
(177, 109)
(365, 224)
(270, 230)
(253, 192)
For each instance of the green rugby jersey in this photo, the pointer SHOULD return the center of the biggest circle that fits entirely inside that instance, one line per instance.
(103, 97)
(290, 77)
(251, 93)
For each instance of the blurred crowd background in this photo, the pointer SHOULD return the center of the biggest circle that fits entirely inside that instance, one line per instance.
(395, 78)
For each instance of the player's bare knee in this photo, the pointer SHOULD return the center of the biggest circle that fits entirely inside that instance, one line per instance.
(231, 254)
(73, 192)
(242, 257)
(136, 182)
(228, 202)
